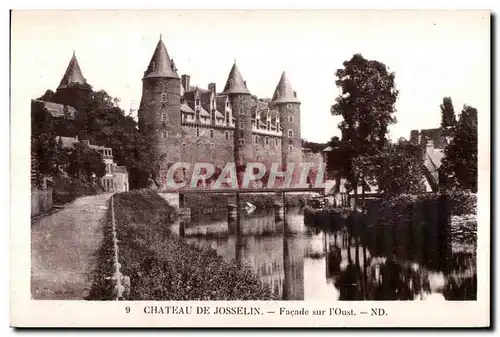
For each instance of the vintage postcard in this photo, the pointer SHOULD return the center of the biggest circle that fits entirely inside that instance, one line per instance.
(250, 168)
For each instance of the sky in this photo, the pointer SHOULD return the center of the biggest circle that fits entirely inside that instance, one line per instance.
(433, 54)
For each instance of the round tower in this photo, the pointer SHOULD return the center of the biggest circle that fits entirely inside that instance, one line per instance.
(285, 100)
(159, 111)
(73, 86)
(239, 98)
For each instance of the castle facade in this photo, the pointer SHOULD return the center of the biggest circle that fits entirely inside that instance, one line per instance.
(190, 124)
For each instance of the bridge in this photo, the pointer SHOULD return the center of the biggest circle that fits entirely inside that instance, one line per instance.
(238, 191)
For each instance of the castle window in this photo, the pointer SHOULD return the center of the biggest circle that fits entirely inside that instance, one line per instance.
(226, 135)
(269, 125)
(197, 132)
(266, 141)
(290, 119)
(197, 102)
(290, 147)
(242, 134)
(290, 133)
(164, 97)
(164, 134)
(163, 117)
(184, 144)
(276, 142)
(242, 125)
(289, 106)
(290, 141)
(211, 133)
(256, 139)
(242, 141)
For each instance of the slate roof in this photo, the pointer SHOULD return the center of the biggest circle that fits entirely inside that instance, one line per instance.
(235, 83)
(73, 74)
(284, 92)
(59, 110)
(161, 65)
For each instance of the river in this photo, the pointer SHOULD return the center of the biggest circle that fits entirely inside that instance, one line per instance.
(309, 263)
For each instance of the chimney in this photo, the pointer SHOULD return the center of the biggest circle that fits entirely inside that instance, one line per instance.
(185, 81)
(212, 88)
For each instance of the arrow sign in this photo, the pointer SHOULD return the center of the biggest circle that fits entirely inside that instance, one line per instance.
(249, 208)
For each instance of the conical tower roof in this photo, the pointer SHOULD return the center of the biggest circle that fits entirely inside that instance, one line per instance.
(284, 92)
(235, 83)
(73, 74)
(161, 65)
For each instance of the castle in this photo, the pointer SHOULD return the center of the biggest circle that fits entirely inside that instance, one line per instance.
(188, 124)
(191, 124)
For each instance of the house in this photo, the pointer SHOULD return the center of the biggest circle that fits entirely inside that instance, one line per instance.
(108, 180)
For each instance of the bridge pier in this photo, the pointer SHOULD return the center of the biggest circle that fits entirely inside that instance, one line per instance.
(184, 218)
(279, 211)
(232, 212)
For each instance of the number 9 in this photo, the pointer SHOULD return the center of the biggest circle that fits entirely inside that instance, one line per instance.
(127, 309)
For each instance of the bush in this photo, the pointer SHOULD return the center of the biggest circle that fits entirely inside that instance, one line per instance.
(163, 266)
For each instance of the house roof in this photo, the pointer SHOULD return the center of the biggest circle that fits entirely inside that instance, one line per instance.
(73, 74)
(235, 83)
(59, 110)
(67, 142)
(186, 108)
(432, 160)
(284, 92)
(161, 65)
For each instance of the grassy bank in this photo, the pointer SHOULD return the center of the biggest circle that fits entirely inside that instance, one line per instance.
(163, 266)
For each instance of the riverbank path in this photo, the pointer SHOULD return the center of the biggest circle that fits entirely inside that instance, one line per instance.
(64, 248)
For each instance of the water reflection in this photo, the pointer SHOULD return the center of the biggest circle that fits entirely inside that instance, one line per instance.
(308, 263)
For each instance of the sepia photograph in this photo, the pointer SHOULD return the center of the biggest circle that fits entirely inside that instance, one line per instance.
(259, 155)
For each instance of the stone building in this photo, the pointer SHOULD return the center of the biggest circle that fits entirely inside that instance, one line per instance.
(191, 124)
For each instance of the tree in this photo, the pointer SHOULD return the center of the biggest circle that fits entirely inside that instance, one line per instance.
(460, 161)
(447, 113)
(84, 163)
(101, 121)
(402, 169)
(44, 148)
(367, 104)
